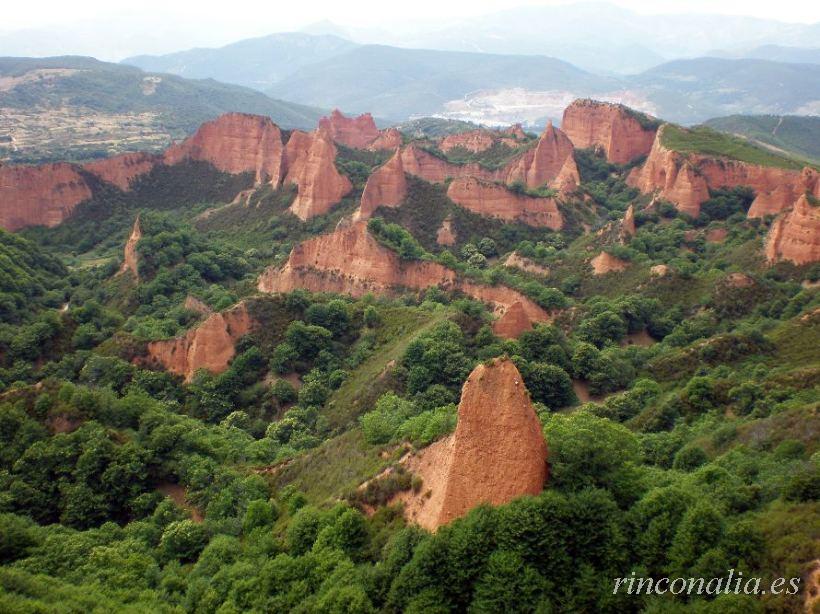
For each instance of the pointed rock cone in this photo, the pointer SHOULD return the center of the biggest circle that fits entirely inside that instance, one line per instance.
(130, 257)
(628, 223)
(497, 453)
(795, 235)
(543, 163)
(386, 187)
(514, 322)
(605, 263)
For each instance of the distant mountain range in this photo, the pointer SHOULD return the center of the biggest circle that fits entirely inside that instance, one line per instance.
(399, 83)
(54, 108)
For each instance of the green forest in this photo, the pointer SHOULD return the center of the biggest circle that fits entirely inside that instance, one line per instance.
(680, 408)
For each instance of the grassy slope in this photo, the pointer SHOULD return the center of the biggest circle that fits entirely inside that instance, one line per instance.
(704, 140)
(793, 134)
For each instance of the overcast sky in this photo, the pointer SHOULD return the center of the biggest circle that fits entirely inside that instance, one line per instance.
(247, 17)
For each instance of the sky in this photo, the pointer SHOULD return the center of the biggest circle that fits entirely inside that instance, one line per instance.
(249, 16)
(112, 30)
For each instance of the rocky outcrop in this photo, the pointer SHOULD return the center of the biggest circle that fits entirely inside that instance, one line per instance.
(311, 165)
(525, 264)
(192, 303)
(357, 132)
(795, 235)
(685, 180)
(235, 143)
(130, 257)
(628, 223)
(551, 158)
(672, 177)
(605, 263)
(659, 270)
(40, 195)
(424, 165)
(121, 170)
(497, 453)
(209, 346)
(351, 261)
(494, 200)
(387, 187)
(514, 322)
(388, 139)
(611, 127)
(472, 140)
(446, 234)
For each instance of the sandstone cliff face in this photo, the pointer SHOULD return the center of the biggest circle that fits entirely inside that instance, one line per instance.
(356, 132)
(425, 165)
(514, 322)
(387, 186)
(123, 169)
(446, 234)
(130, 257)
(550, 158)
(497, 453)
(628, 223)
(495, 200)
(605, 263)
(350, 261)
(795, 235)
(685, 180)
(473, 140)
(235, 143)
(311, 165)
(387, 139)
(39, 195)
(209, 346)
(611, 127)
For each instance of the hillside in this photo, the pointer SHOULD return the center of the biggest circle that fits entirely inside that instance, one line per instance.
(269, 372)
(258, 62)
(691, 91)
(789, 134)
(396, 83)
(79, 108)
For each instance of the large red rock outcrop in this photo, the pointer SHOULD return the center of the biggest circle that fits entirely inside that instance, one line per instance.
(387, 186)
(39, 195)
(351, 261)
(311, 165)
(388, 139)
(130, 257)
(497, 453)
(612, 127)
(357, 132)
(605, 263)
(685, 180)
(235, 143)
(424, 165)
(795, 235)
(551, 158)
(209, 346)
(446, 234)
(121, 170)
(472, 140)
(494, 200)
(514, 322)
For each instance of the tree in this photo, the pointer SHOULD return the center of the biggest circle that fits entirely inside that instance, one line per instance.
(260, 513)
(508, 584)
(700, 530)
(183, 540)
(603, 328)
(548, 384)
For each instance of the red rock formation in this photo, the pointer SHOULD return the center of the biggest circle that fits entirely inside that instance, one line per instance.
(514, 322)
(39, 195)
(672, 176)
(612, 127)
(605, 263)
(685, 180)
(192, 303)
(550, 158)
(357, 132)
(209, 346)
(387, 139)
(387, 186)
(311, 165)
(123, 169)
(235, 143)
(351, 261)
(130, 257)
(497, 201)
(716, 235)
(472, 140)
(425, 165)
(628, 223)
(795, 235)
(446, 235)
(525, 264)
(497, 453)
(515, 132)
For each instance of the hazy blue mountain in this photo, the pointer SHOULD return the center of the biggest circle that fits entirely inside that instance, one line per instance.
(256, 62)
